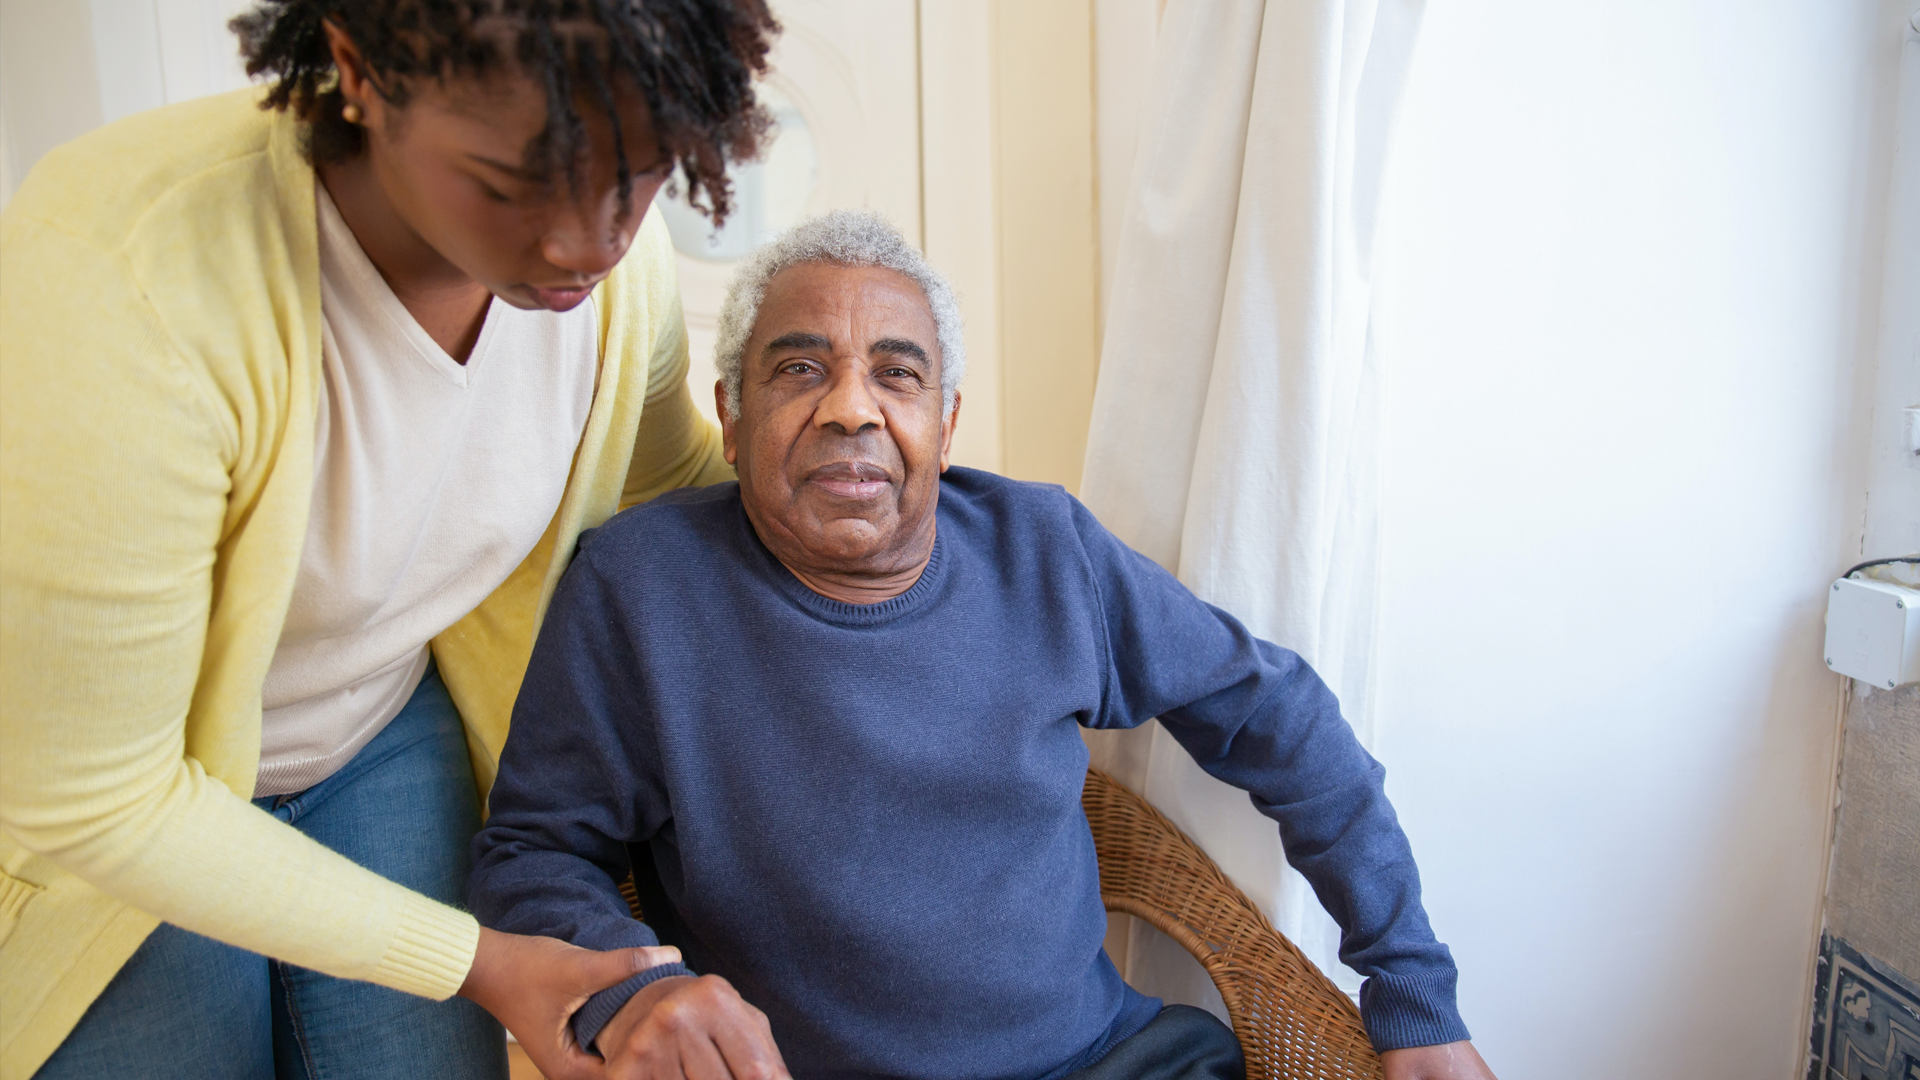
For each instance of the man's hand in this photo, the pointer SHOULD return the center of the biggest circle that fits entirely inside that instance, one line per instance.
(696, 1028)
(534, 985)
(1449, 1061)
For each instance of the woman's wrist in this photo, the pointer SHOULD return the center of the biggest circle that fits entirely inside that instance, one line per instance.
(486, 949)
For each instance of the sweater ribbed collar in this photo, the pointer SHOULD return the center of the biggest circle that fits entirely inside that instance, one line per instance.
(838, 611)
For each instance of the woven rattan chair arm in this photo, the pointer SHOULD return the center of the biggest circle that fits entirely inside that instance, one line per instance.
(1292, 1021)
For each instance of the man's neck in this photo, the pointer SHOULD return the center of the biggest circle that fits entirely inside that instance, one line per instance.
(874, 580)
(860, 588)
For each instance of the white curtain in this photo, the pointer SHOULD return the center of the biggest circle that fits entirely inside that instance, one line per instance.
(1236, 424)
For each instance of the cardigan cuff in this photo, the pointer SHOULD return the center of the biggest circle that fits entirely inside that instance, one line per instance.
(431, 952)
(1402, 1011)
(599, 1009)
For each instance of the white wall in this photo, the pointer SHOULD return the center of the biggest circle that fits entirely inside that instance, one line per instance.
(1627, 251)
(67, 66)
(1892, 519)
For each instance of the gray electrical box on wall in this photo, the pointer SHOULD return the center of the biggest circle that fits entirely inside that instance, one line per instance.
(1873, 632)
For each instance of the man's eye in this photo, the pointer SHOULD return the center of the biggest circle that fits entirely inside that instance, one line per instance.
(797, 368)
(494, 195)
(898, 373)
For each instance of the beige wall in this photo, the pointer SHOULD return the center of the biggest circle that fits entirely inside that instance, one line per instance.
(1049, 247)
(959, 205)
(1029, 115)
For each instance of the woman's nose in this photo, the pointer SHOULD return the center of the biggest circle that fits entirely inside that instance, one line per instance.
(587, 244)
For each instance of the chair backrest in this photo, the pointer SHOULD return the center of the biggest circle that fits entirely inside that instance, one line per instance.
(1292, 1022)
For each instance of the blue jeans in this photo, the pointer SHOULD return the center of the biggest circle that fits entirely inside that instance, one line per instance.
(1182, 1043)
(186, 1006)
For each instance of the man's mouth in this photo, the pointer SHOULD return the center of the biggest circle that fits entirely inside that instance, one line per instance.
(852, 479)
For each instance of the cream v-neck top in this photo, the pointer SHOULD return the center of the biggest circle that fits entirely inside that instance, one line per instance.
(433, 480)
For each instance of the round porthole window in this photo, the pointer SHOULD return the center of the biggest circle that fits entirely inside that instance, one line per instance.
(770, 195)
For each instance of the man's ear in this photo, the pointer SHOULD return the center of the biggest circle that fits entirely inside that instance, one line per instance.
(726, 421)
(946, 432)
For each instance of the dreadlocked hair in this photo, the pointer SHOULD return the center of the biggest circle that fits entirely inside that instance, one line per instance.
(693, 61)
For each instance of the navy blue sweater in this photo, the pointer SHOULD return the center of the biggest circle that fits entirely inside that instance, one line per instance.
(867, 817)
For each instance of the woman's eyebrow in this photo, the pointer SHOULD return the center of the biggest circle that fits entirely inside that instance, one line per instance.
(664, 161)
(518, 172)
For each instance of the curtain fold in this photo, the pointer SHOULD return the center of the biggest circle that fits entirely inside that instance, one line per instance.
(1236, 423)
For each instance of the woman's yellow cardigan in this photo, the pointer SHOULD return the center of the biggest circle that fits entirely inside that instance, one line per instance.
(159, 366)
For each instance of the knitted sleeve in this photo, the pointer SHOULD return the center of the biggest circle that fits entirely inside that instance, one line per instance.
(116, 494)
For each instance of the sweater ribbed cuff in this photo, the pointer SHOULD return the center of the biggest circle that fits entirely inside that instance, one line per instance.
(432, 951)
(599, 1009)
(1402, 1011)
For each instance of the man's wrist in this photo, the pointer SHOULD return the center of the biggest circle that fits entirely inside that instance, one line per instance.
(1404, 1011)
(603, 1008)
(1448, 1061)
(634, 1011)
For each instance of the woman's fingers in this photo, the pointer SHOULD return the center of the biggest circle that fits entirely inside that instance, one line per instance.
(570, 1064)
(655, 955)
(553, 1050)
(599, 970)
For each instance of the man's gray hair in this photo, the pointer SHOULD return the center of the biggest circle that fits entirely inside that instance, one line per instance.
(843, 238)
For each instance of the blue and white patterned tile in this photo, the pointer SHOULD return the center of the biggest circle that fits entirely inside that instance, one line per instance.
(1866, 1018)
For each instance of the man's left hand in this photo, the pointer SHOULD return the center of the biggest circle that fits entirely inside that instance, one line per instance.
(1449, 1061)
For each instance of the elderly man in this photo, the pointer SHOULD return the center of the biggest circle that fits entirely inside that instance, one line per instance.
(830, 712)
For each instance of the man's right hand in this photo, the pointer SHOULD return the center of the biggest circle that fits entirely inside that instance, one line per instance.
(691, 1027)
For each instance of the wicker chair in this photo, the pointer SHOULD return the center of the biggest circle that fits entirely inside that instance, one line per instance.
(1292, 1022)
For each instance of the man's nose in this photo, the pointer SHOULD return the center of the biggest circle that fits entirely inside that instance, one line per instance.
(588, 241)
(849, 404)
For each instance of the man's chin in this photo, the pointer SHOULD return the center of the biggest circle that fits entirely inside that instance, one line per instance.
(846, 542)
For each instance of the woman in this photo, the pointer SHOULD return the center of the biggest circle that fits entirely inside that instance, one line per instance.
(305, 403)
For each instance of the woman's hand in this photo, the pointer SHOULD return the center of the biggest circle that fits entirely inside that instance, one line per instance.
(534, 985)
(688, 1028)
(1449, 1061)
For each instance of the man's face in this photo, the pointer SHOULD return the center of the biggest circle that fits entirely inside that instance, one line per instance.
(841, 437)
